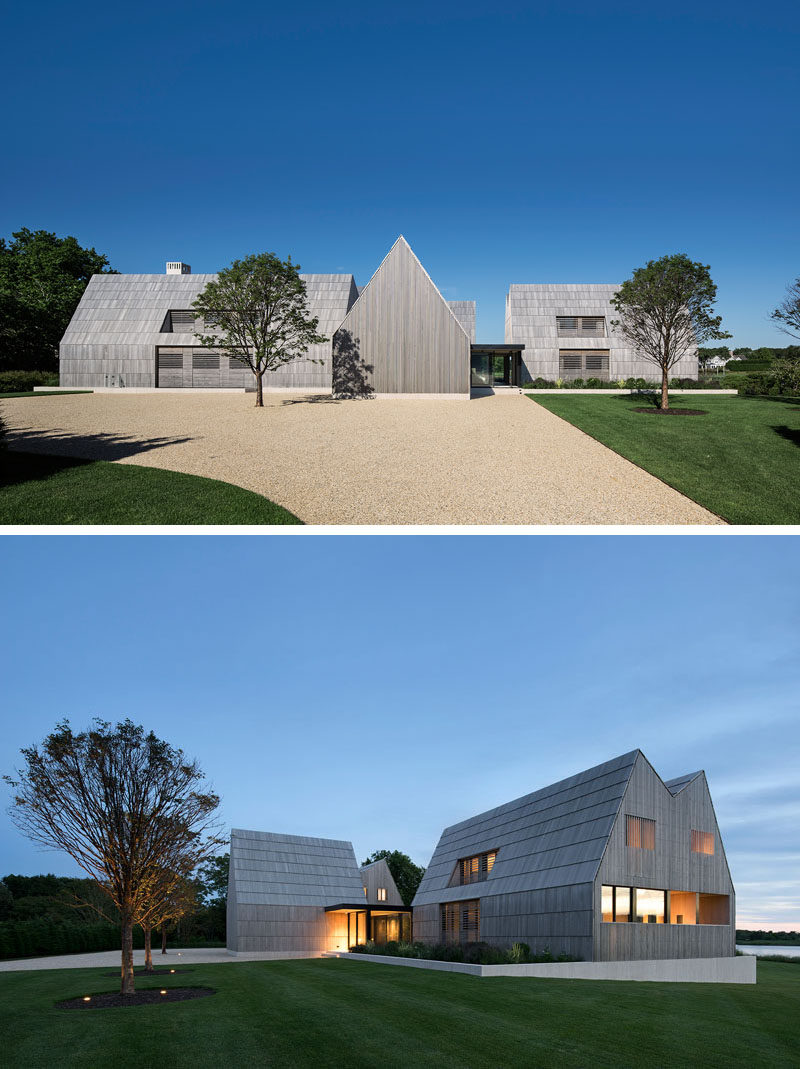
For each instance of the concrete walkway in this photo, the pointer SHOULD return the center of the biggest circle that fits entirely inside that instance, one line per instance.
(500, 459)
(110, 959)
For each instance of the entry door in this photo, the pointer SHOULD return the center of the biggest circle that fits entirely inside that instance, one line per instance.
(481, 369)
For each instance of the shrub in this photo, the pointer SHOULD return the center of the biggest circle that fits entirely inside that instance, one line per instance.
(595, 384)
(576, 384)
(23, 381)
(519, 953)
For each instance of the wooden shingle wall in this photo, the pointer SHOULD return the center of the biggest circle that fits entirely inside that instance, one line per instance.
(531, 312)
(402, 334)
(671, 866)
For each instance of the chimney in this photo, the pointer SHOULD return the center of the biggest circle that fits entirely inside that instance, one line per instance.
(178, 268)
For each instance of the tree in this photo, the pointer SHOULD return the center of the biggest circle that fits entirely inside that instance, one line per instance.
(787, 314)
(42, 278)
(126, 806)
(170, 899)
(404, 872)
(256, 312)
(665, 311)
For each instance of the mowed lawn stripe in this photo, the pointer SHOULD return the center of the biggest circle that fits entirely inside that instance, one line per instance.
(334, 1013)
(741, 460)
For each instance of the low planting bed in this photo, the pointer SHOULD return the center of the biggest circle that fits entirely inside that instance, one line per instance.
(468, 953)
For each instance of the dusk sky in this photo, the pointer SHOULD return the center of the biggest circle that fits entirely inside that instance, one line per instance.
(380, 688)
(546, 142)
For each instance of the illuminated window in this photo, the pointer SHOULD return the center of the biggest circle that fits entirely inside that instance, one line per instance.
(461, 921)
(473, 869)
(650, 905)
(381, 894)
(616, 904)
(365, 893)
(702, 842)
(641, 833)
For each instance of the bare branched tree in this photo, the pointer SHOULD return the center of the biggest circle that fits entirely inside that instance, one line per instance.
(171, 897)
(665, 312)
(256, 312)
(126, 806)
(787, 314)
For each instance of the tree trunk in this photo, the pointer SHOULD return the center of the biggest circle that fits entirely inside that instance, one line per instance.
(664, 389)
(163, 938)
(148, 948)
(128, 987)
(259, 389)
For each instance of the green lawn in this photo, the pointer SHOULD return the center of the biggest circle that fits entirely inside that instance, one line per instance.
(36, 489)
(52, 393)
(339, 1013)
(741, 461)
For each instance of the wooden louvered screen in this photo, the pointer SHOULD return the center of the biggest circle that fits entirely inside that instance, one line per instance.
(235, 363)
(461, 921)
(169, 360)
(702, 842)
(205, 361)
(182, 320)
(473, 869)
(581, 326)
(641, 833)
(583, 363)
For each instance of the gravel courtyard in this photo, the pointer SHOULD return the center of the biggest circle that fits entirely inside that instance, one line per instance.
(493, 460)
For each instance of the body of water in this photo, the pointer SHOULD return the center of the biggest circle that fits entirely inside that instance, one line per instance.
(748, 948)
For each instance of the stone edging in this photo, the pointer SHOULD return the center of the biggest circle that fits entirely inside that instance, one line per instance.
(733, 970)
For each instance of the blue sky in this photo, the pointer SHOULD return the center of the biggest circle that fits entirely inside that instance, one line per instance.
(546, 142)
(380, 688)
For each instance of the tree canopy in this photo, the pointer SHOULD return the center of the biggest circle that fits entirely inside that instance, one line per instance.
(665, 311)
(787, 314)
(42, 279)
(255, 311)
(405, 873)
(130, 809)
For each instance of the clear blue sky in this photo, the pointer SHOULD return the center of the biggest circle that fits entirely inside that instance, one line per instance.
(380, 688)
(546, 142)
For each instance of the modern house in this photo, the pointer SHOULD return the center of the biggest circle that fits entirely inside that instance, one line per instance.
(291, 895)
(612, 864)
(395, 336)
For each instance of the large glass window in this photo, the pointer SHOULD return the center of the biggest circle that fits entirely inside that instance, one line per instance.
(461, 921)
(476, 868)
(650, 905)
(616, 904)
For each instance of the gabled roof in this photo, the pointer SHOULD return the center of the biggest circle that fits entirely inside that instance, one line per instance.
(677, 784)
(294, 870)
(550, 838)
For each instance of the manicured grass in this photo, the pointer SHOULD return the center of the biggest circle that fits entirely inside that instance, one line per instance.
(339, 1013)
(36, 489)
(741, 461)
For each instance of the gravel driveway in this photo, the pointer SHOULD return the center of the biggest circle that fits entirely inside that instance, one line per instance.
(493, 460)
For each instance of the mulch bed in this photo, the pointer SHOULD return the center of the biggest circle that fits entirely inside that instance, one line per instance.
(672, 411)
(109, 1001)
(141, 971)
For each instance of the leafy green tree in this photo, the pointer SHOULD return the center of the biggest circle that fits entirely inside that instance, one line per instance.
(126, 806)
(665, 312)
(42, 278)
(256, 312)
(787, 314)
(404, 872)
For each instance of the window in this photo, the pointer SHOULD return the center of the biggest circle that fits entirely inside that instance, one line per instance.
(650, 905)
(235, 363)
(583, 363)
(474, 869)
(381, 894)
(365, 893)
(461, 921)
(179, 320)
(581, 326)
(640, 833)
(645, 905)
(616, 904)
(702, 842)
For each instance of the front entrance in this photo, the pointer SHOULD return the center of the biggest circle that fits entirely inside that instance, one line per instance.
(495, 365)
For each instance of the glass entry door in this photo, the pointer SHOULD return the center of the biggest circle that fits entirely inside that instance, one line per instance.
(500, 369)
(481, 369)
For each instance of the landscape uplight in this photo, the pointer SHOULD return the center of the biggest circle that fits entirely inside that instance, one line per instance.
(87, 998)
(163, 991)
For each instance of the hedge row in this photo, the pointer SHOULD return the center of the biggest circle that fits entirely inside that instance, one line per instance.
(23, 381)
(622, 384)
(31, 939)
(471, 953)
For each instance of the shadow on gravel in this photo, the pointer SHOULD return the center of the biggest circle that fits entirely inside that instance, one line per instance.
(312, 399)
(87, 446)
